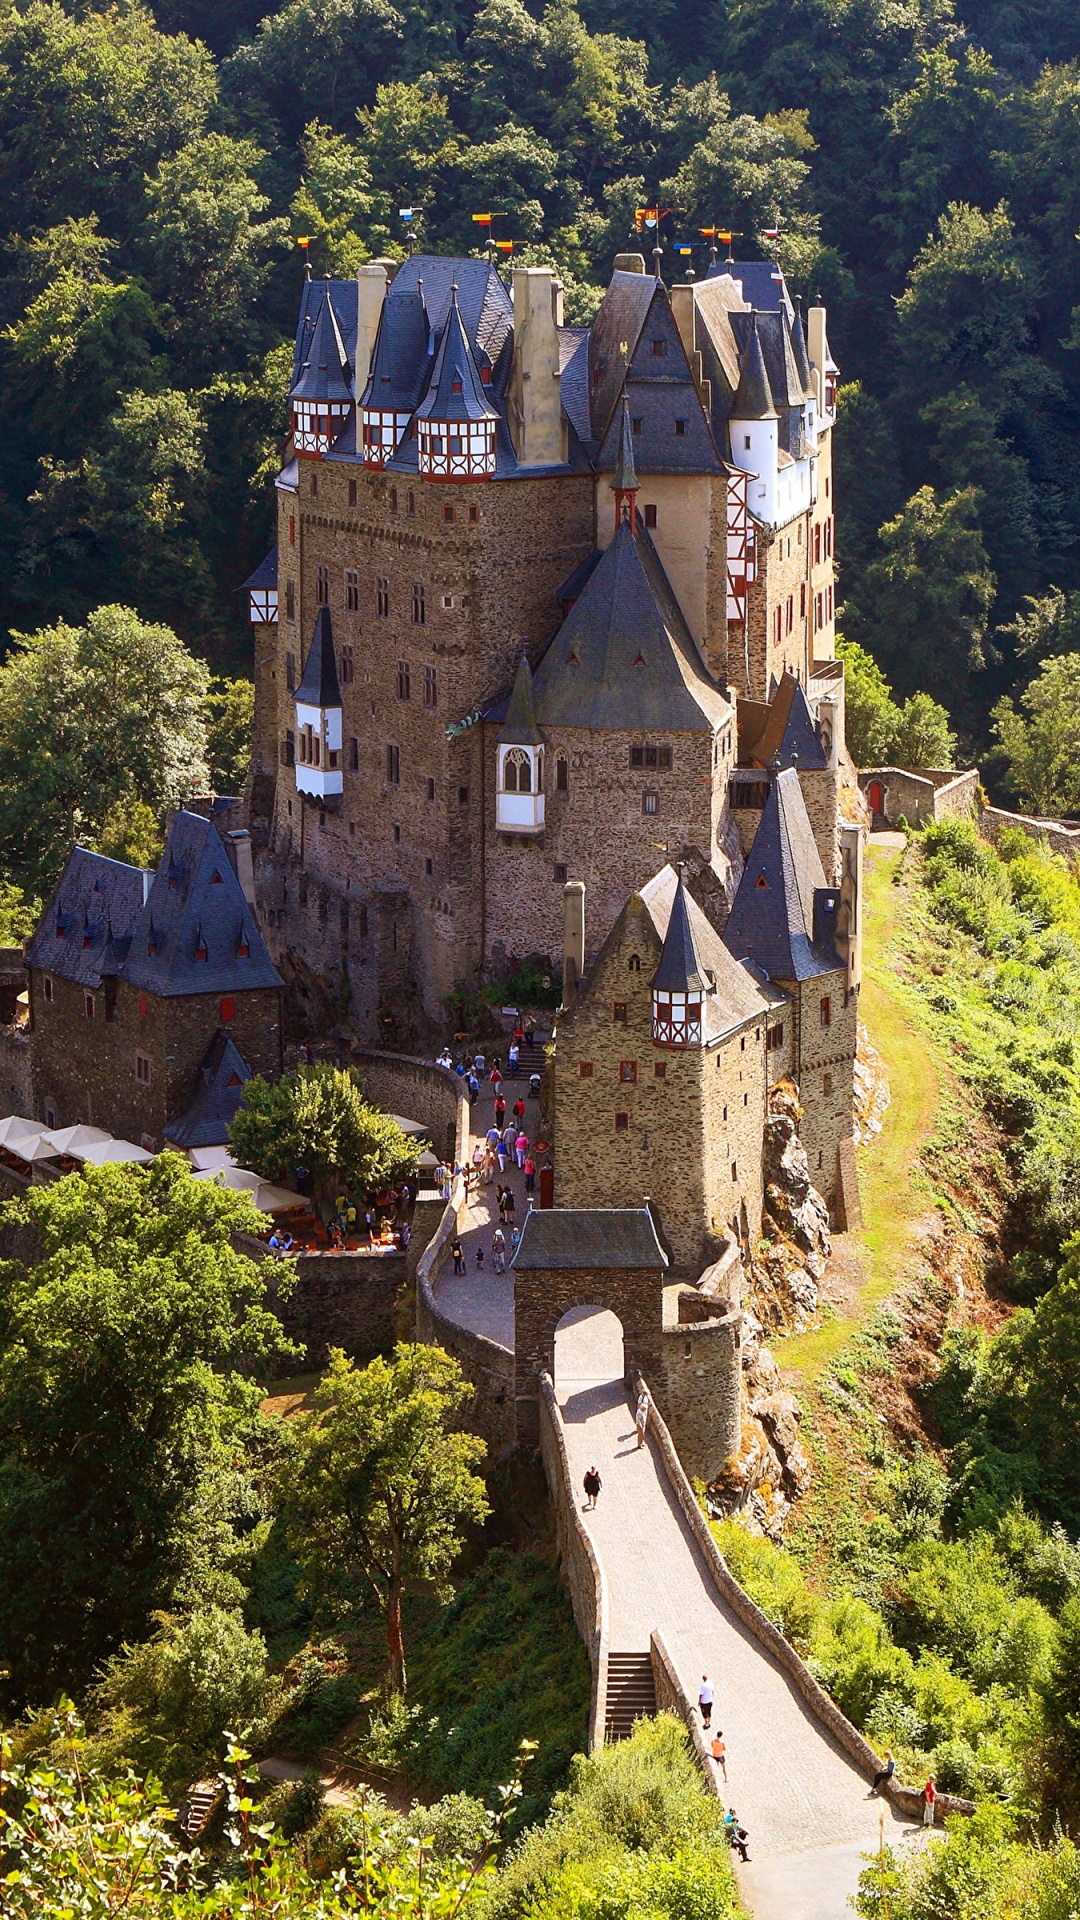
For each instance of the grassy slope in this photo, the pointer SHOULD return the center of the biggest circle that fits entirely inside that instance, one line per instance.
(895, 1195)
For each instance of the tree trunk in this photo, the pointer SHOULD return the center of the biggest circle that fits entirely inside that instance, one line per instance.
(395, 1646)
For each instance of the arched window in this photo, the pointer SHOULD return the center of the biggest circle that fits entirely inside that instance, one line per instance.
(517, 771)
(562, 773)
(634, 963)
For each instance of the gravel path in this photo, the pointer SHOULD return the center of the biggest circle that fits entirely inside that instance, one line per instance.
(808, 1811)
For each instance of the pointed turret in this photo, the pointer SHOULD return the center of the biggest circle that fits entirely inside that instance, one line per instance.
(753, 396)
(520, 727)
(318, 717)
(680, 981)
(322, 394)
(798, 347)
(320, 686)
(624, 480)
(455, 424)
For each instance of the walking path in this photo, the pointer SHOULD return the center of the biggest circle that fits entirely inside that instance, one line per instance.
(481, 1299)
(809, 1813)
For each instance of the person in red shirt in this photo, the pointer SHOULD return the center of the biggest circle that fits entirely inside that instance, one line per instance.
(929, 1794)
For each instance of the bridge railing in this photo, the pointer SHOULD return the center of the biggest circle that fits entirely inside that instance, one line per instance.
(835, 1723)
(588, 1593)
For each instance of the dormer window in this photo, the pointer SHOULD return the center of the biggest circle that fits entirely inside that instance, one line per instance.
(677, 1019)
(381, 433)
(201, 951)
(456, 449)
(242, 947)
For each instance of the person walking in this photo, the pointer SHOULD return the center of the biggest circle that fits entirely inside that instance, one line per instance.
(719, 1753)
(480, 1259)
(521, 1148)
(929, 1794)
(503, 1153)
(530, 1174)
(474, 1088)
(641, 1417)
(498, 1250)
(500, 1112)
(508, 1205)
(592, 1484)
(459, 1257)
(519, 1109)
(881, 1779)
(705, 1700)
(495, 1076)
(479, 1064)
(512, 1061)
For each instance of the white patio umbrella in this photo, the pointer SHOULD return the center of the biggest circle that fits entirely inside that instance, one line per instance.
(101, 1153)
(15, 1128)
(72, 1140)
(208, 1159)
(266, 1196)
(414, 1128)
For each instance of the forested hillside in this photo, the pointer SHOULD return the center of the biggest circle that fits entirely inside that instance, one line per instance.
(920, 159)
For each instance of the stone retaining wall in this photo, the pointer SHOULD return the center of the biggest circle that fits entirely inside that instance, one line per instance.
(487, 1366)
(924, 793)
(419, 1089)
(835, 1723)
(346, 1300)
(577, 1558)
(672, 1697)
(1046, 833)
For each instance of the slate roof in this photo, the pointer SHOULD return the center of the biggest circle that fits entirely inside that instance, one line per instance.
(732, 997)
(319, 686)
(520, 728)
(574, 378)
(265, 574)
(624, 657)
(93, 907)
(772, 915)
(211, 1110)
(324, 372)
(572, 1238)
(455, 392)
(661, 391)
(624, 479)
(680, 970)
(782, 732)
(486, 308)
(753, 397)
(342, 296)
(801, 357)
(196, 904)
(763, 284)
(613, 339)
(401, 361)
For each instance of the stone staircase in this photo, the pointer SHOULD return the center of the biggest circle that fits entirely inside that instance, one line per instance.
(631, 1693)
(199, 1808)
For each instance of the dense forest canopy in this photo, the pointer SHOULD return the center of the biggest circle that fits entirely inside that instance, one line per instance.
(921, 159)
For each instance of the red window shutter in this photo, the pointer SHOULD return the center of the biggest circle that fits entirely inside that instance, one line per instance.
(228, 1008)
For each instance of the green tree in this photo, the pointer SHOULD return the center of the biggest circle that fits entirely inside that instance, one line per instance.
(230, 707)
(318, 1119)
(931, 592)
(208, 249)
(165, 1705)
(132, 832)
(379, 1488)
(127, 1408)
(90, 716)
(18, 915)
(1038, 741)
(334, 201)
(965, 313)
(922, 736)
(756, 170)
(877, 731)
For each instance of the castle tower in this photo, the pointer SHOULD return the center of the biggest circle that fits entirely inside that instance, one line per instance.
(753, 427)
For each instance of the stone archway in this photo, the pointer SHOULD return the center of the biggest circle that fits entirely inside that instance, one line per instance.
(588, 1349)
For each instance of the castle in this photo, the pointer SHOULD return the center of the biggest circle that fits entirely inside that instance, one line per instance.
(534, 593)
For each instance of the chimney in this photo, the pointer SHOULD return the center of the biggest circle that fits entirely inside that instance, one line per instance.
(573, 939)
(535, 395)
(629, 263)
(817, 347)
(238, 845)
(371, 283)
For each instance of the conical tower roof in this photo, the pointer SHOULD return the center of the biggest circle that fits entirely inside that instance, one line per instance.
(624, 479)
(753, 397)
(319, 686)
(680, 970)
(798, 347)
(520, 727)
(455, 392)
(324, 373)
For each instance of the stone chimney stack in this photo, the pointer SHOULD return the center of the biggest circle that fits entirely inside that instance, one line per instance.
(372, 280)
(817, 347)
(573, 939)
(534, 396)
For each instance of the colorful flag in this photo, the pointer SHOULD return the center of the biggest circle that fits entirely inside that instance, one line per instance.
(505, 246)
(482, 219)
